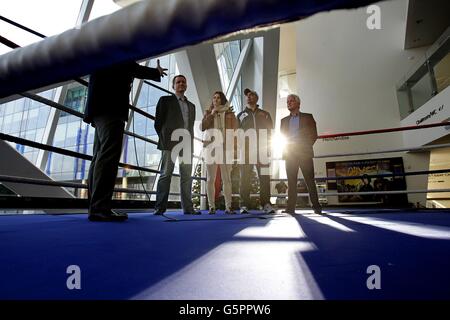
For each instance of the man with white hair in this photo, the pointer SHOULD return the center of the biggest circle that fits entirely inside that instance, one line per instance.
(301, 133)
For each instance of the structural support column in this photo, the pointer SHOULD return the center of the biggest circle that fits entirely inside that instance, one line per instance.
(52, 121)
(270, 57)
(198, 63)
(50, 128)
(260, 72)
(238, 70)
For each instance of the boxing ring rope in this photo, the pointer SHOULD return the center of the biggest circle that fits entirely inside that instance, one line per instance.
(142, 30)
(58, 106)
(21, 26)
(75, 154)
(367, 132)
(128, 166)
(16, 179)
(76, 113)
(79, 80)
(381, 175)
(13, 45)
(326, 194)
(423, 148)
(8, 42)
(63, 108)
(9, 74)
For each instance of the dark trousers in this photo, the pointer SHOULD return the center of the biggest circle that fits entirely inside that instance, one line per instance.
(103, 170)
(163, 187)
(306, 164)
(264, 184)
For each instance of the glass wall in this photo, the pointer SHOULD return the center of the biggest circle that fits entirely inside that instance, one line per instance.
(426, 80)
(71, 134)
(75, 98)
(74, 135)
(227, 56)
(26, 118)
(48, 17)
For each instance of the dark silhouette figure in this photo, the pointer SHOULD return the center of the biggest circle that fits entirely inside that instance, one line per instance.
(107, 110)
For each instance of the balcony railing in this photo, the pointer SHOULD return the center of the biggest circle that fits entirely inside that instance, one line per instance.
(427, 78)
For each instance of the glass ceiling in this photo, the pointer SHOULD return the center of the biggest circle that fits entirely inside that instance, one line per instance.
(49, 17)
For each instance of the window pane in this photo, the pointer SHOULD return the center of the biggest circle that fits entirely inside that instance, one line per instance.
(103, 7)
(48, 17)
(421, 91)
(227, 55)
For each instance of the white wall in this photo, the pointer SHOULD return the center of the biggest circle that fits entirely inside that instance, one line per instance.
(346, 77)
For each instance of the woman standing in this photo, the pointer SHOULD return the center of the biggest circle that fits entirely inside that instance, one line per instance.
(220, 117)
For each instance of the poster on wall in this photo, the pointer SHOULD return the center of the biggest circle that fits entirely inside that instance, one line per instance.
(391, 166)
(438, 181)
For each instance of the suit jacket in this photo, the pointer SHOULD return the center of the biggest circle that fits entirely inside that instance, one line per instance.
(109, 89)
(307, 136)
(168, 118)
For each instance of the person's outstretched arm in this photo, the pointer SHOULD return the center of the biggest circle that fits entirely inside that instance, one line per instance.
(143, 72)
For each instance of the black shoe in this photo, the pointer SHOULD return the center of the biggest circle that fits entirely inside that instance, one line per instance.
(318, 210)
(193, 212)
(108, 216)
(158, 212)
(290, 211)
(212, 211)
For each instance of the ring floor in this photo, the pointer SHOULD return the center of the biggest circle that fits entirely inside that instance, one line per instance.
(255, 257)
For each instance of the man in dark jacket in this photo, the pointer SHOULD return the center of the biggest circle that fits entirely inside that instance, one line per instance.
(175, 112)
(301, 133)
(254, 118)
(107, 110)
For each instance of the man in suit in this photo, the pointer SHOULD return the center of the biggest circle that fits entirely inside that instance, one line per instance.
(107, 110)
(174, 112)
(301, 133)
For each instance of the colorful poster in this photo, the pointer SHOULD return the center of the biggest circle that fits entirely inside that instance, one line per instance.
(366, 168)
